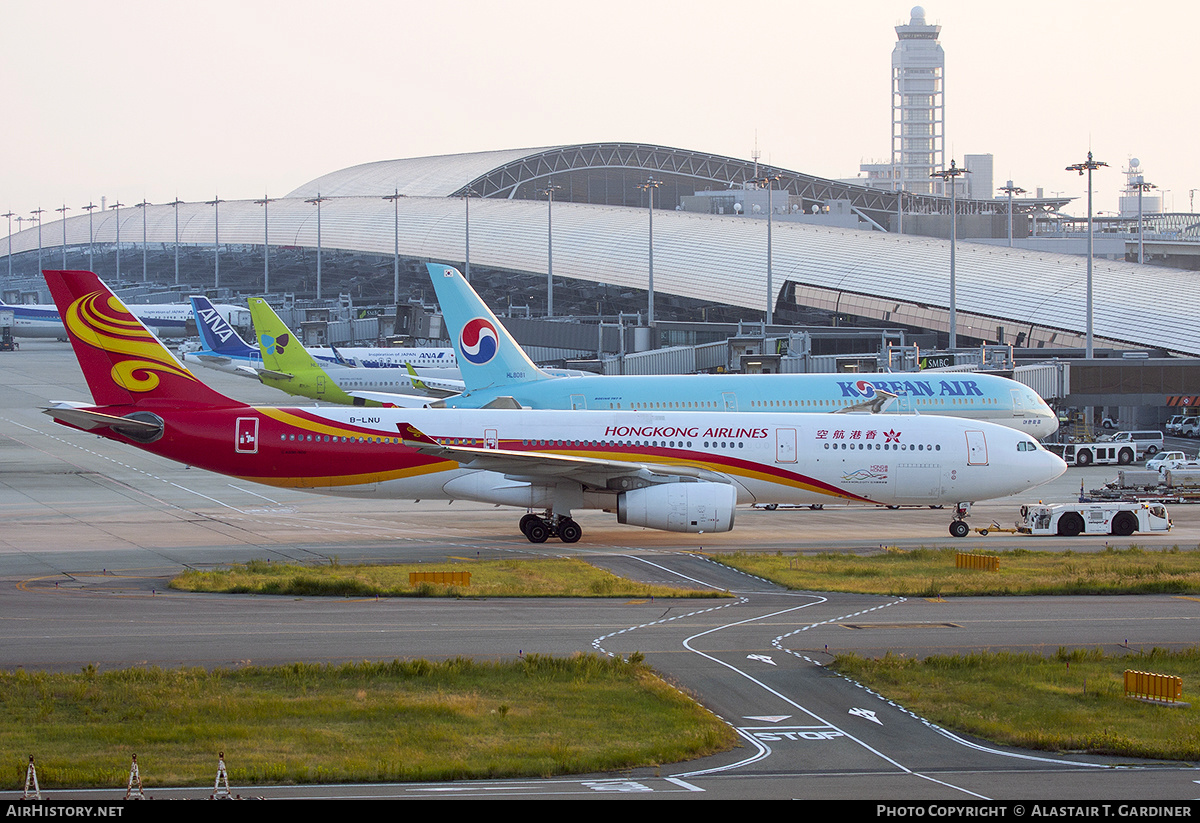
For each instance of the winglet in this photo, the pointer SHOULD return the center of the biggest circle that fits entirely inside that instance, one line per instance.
(875, 405)
(412, 436)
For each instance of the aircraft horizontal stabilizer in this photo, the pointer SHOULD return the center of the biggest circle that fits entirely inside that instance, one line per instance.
(434, 386)
(504, 402)
(275, 375)
(81, 418)
(399, 401)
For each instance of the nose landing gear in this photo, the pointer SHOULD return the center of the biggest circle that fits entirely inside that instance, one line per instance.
(538, 529)
(958, 526)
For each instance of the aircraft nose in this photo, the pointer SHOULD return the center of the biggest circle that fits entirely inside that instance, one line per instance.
(1052, 466)
(1051, 421)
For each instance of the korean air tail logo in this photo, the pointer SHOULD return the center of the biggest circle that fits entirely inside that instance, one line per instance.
(274, 345)
(478, 341)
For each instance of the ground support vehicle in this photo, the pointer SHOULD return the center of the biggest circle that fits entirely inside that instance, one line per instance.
(1102, 454)
(1116, 518)
(1181, 485)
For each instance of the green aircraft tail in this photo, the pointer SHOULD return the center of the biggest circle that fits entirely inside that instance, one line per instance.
(287, 365)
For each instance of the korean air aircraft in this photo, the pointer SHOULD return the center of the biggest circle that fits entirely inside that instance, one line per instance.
(221, 347)
(164, 319)
(680, 471)
(495, 368)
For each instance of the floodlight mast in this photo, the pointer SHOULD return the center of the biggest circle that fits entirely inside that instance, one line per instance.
(1010, 190)
(952, 174)
(1089, 166)
(1142, 186)
(549, 192)
(767, 181)
(649, 186)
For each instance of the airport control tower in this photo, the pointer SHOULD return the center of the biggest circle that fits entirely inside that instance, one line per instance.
(918, 105)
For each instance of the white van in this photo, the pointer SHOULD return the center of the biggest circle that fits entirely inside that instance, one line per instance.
(1146, 443)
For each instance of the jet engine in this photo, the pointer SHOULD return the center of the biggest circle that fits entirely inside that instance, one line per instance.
(679, 507)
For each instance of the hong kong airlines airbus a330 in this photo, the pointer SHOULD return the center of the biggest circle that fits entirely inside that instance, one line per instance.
(677, 471)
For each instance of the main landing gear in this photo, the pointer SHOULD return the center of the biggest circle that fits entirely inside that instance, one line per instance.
(538, 529)
(958, 526)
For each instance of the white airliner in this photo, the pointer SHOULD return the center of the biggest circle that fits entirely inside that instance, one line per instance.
(671, 470)
(165, 319)
(222, 348)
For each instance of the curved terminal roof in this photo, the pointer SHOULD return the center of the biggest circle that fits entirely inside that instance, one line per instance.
(1031, 297)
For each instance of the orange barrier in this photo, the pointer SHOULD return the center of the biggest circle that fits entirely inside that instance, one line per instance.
(1164, 687)
(442, 578)
(983, 562)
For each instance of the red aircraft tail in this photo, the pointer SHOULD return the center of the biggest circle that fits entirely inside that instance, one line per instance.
(123, 362)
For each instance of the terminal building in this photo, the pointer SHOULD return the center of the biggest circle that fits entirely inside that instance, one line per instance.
(572, 231)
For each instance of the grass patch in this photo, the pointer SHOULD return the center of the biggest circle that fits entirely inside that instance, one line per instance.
(931, 572)
(552, 577)
(1072, 701)
(400, 721)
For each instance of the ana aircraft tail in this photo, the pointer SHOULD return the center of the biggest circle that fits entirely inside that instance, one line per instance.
(215, 333)
(487, 354)
(123, 362)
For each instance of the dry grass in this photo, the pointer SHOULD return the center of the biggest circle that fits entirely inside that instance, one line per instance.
(931, 572)
(555, 577)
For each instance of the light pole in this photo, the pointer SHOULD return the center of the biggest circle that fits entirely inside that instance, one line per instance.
(1090, 166)
(467, 192)
(63, 212)
(769, 181)
(395, 198)
(176, 203)
(549, 192)
(116, 207)
(1142, 186)
(91, 235)
(318, 200)
(952, 174)
(10, 215)
(266, 244)
(216, 204)
(649, 186)
(145, 268)
(1010, 190)
(37, 213)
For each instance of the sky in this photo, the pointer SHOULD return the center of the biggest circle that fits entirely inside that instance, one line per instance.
(157, 100)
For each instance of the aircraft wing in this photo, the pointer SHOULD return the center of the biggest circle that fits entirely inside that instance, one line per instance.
(597, 472)
(875, 405)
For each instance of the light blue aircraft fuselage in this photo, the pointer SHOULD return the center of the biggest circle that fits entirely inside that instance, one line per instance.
(494, 367)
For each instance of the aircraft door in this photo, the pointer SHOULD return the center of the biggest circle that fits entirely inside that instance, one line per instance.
(730, 400)
(491, 439)
(320, 385)
(1018, 407)
(976, 449)
(785, 445)
(246, 435)
(578, 401)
